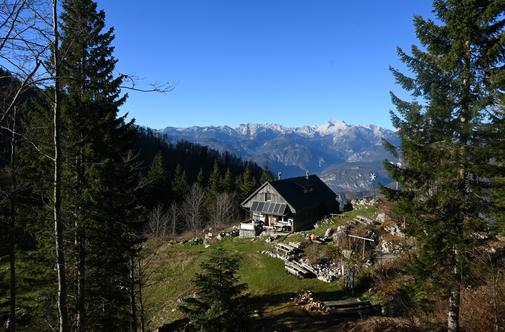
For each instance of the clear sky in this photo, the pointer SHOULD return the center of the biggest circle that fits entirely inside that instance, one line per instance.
(293, 62)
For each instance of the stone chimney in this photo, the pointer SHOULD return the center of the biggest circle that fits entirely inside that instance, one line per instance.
(307, 175)
(279, 175)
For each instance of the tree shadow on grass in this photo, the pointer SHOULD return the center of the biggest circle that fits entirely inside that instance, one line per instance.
(278, 313)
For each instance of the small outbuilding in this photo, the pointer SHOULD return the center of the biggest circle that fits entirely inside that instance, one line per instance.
(291, 204)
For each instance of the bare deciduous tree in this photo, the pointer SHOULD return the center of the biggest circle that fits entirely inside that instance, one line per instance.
(193, 207)
(174, 216)
(25, 38)
(223, 209)
(158, 222)
(58, 222)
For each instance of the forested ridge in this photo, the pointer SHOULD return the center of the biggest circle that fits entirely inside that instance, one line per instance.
(81, 184)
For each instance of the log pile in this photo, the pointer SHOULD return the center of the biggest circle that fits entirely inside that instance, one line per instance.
(308, 302)
(297, 269)
(289, 250)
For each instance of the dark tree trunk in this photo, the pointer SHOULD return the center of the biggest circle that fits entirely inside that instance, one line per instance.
(141, 299)
(80, 278)
(79, 237)
(133, 304)
(12, 233)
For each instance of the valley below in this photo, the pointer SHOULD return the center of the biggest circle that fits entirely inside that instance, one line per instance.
(343, 155)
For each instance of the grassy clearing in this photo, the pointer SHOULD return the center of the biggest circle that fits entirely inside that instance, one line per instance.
(172, 267)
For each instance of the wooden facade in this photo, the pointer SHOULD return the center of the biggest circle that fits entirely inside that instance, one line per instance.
(291, 204)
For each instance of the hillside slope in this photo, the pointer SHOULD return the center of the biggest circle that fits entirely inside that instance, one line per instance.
(170, 267)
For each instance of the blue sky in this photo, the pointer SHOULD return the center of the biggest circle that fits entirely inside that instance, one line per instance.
(293, 62)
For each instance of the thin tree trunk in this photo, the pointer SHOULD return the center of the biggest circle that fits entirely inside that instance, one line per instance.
(173, 211)
(79, 236)
(80, 277)
(12, 240)
(133, 304)
(141, 299)
(58, 224)
(453, 313)
(80, 319)
(454, 296)
(465, 119)
(496, 326)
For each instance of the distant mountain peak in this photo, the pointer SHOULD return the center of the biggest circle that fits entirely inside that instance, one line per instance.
(338, 123)
(328, 149)
(331, 127)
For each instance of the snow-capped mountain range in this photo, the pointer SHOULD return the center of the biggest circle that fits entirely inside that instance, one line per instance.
(342, 155)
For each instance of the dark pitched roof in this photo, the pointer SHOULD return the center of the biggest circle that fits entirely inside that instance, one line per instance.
(301, 192)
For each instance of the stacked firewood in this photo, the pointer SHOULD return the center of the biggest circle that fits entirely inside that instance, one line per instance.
(308, 302)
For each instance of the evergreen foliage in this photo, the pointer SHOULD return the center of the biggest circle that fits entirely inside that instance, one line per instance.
(157, 182)
(180, 185)
(191, 157)
(218, 304)
(247, 183)
(228, 182)
(101, 177)
(214, 182)
(107, 188)
(265, 175)
(200, 178)
(456, 85)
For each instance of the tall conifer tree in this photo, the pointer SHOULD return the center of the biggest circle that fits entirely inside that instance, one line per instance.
(97, 142)
(247, 183)
(443, 195)
(228, 182)
(214, 182)
(158, 186)
(180, 185)
(200, 178)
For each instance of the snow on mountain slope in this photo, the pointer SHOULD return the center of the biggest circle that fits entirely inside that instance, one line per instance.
(335, 150)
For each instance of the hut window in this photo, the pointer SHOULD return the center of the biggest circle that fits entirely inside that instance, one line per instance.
(308, 190)
(268, 197)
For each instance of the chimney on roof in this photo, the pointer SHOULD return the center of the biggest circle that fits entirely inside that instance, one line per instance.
(307, 175)
(279, 174)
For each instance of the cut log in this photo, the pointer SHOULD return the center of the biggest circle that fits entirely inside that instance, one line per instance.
(295, 268)
(346, 303)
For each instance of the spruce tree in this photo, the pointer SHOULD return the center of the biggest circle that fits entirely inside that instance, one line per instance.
(214, 182)
(157, 183)
(180, 185)
(228, 182)
(36, 277)
(218, 304)
(444, 195)
(200, 178)
(265, 175)
(247, 183)
(96, 145)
